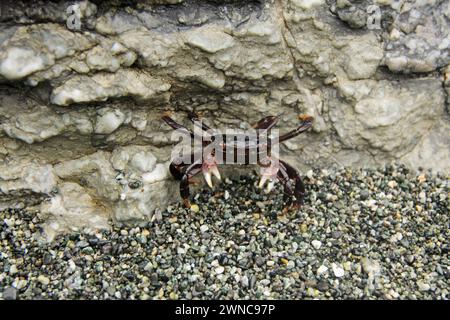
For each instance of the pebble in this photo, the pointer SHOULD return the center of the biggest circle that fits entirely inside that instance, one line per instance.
(43, 279)
(423, 286)
(321, 270)
(10, 294)
(195, 208)
(13, 269)
(316, 244)
(364, 195)
(392, 184)
(290, 265)
(220, 270)
(244, 281)
(323, 286)
(337, 270)
(270, 263)
(370, 266)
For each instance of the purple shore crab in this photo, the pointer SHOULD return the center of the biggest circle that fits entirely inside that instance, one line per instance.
(260, 146)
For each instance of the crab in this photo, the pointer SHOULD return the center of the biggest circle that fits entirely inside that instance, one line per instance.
(260, 146)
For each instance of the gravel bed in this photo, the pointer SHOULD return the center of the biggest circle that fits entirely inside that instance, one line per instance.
(362, 234)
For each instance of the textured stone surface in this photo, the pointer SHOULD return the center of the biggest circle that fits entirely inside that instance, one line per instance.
(80, 130)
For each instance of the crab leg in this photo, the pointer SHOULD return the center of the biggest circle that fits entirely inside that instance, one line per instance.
(177, 170)
(191, 171)
(174, 125)
(304, 125)
(299, 189)
(197, 121)
(284, 179)
(266, 123)
(178, 166)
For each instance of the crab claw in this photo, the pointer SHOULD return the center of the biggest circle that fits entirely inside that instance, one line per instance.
(262, 181)
(216, 172)
(207, 175)
(210, 167)
(269, 175)
(207, 171)
(270, 185)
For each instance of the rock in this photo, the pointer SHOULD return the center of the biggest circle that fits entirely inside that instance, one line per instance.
(44, 280)
(323, 286)
(364, 195)
(13, 269)
(316, 244)
(10, 293)
(371, 267)
(101, 86)
(423, 286)
(81, 133)
(337, 270)
(290, 265)
(209, 40)
(321, 270)
(219, 270)
(108, 121)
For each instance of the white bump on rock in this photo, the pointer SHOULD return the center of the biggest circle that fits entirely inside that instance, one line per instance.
(103, 85)
(143, 161)
(158, 174)
(109, 120)
(307, 4)
(20, 62)
(209, 40)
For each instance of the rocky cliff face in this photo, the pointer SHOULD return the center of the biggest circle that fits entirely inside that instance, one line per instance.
(83, 87)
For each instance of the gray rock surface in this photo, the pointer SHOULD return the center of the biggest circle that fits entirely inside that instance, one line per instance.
(80, 129)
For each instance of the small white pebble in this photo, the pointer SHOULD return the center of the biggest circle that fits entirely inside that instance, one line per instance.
(220, 270)
(13, 269)
(204, 228)
(423, 286)
(392, 184)
(43, 279)
(337, 270)
(316, 244)
(321, 270)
